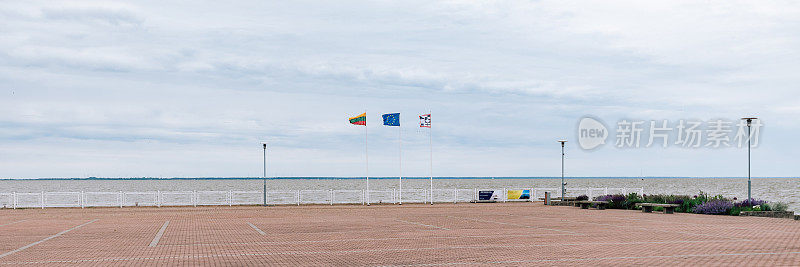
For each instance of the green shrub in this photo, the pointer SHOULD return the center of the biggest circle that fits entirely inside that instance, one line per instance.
(631, 200)
(765, 207)
(778, 206)
(655, 199)
(735, 211)
(614, 201)
(704, 197)
(689, 204)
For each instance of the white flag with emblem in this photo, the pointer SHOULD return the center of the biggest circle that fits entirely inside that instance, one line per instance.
(425, 120)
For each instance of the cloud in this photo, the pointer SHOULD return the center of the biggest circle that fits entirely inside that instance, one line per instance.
(503, 80)
(94, 13)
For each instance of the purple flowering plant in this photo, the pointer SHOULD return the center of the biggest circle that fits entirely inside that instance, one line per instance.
(716, 206)
(750, 203)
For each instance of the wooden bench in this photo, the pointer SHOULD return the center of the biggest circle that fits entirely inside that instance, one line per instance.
(648, 207)
(601, 205)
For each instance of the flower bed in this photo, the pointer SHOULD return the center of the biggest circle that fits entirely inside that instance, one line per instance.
(700, 204)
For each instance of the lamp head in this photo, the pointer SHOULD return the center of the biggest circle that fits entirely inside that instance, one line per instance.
(749, 120)
(562, 142)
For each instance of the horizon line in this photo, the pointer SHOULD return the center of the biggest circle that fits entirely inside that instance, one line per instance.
(395, 177)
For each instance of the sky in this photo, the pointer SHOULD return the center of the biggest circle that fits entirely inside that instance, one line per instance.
(191, 88)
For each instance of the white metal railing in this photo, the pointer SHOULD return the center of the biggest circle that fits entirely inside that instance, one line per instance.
(101, 199)
(414, 196)
(212, 198)
(139, 199)
(445, 195)
(246, 198)
(176, 198)
(62, 199)
(382, 196)
(315, 196)
(7, 200)
(466, 195)
(348, 196)
(284, 197)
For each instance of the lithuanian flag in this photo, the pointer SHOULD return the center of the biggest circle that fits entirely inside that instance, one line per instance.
(359, 120)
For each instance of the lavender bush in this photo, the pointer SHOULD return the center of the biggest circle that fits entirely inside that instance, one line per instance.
(750, 203)
(611, 198)
(714, 207)
(604, 198)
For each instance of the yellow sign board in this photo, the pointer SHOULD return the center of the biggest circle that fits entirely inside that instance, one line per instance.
(519, 194)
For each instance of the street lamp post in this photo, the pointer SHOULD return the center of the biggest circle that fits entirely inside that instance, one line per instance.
(563, 190)
(265, 174)
(749, 183)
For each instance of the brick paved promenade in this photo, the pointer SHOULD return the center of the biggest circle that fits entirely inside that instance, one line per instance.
(443, 234)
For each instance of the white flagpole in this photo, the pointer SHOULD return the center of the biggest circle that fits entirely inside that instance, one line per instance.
(430, 130)
(400, 139)
(366, 153)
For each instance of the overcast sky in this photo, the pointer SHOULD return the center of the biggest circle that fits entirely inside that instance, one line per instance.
(188, 89)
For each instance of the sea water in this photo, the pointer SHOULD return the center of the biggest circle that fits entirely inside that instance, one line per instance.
(771, 189)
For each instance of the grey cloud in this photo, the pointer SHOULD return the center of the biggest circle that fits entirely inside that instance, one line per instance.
(502, 78)
(97, 14)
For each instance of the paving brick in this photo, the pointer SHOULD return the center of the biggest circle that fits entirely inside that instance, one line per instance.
(442, 234)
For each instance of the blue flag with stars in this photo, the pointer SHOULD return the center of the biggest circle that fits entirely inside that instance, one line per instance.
(391, 119)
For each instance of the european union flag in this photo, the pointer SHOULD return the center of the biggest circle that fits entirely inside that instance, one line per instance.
(391, 119)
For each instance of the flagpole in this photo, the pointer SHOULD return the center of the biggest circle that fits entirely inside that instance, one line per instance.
(265, 173)
(400, 139)
(430, 129)
(366, 153)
